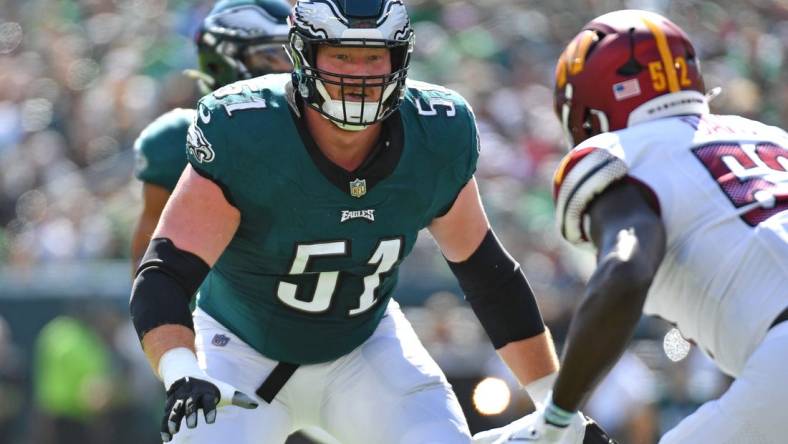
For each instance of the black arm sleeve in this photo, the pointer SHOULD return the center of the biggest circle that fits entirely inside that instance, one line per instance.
(499, 293)
(165, 283)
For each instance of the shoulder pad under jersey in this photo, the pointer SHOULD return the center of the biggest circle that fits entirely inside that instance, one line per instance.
(583, 174)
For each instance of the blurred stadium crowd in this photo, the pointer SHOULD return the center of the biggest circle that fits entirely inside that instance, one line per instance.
(80, 79)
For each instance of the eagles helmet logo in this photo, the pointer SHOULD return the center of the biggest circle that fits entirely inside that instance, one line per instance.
(198, 145)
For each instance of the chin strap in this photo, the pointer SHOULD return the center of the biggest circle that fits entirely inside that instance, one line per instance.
(346, 126)
(348, 115)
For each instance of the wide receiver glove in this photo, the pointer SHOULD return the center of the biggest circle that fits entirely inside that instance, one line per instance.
(535, 430)
(189, 389)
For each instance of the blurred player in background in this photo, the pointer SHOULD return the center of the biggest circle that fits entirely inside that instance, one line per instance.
(302, 196)
(688, 212)
(239, 39)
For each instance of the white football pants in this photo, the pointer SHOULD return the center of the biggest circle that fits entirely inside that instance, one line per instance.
(753, 410)
(386, 391)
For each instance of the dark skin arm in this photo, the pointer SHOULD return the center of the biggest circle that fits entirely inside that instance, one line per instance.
(154, 198)
(630, 240)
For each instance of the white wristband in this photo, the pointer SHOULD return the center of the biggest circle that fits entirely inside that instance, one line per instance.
(539, 389)
(177, 363)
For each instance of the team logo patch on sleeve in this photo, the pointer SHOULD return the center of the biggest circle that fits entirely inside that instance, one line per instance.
(198, 145)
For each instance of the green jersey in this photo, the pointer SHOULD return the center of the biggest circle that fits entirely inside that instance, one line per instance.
(309, 272)
(159, 149)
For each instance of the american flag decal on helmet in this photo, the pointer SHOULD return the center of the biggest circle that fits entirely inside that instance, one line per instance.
(626, 89)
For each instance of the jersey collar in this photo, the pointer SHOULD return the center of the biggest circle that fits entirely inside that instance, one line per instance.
(379, 164)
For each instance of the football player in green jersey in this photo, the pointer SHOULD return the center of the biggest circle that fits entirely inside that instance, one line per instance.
(302, 196)
(239, 39)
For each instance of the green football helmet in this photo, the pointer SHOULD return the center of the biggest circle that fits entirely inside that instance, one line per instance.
(241, 39)
(350, 23)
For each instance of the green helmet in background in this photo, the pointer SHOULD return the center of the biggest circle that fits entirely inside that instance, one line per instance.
(241, 39)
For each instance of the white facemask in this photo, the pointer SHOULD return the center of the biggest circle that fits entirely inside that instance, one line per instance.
(358, 121)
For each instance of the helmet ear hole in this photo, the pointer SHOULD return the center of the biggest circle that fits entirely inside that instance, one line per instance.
(595, 122)
(588, 125)
(601, 124)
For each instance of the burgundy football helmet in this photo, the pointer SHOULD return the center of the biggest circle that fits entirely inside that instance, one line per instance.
(623, 68)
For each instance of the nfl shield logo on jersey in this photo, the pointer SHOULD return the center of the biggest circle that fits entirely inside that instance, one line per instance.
(358, 187)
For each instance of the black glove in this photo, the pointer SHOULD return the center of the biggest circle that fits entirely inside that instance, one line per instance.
(188, 395)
